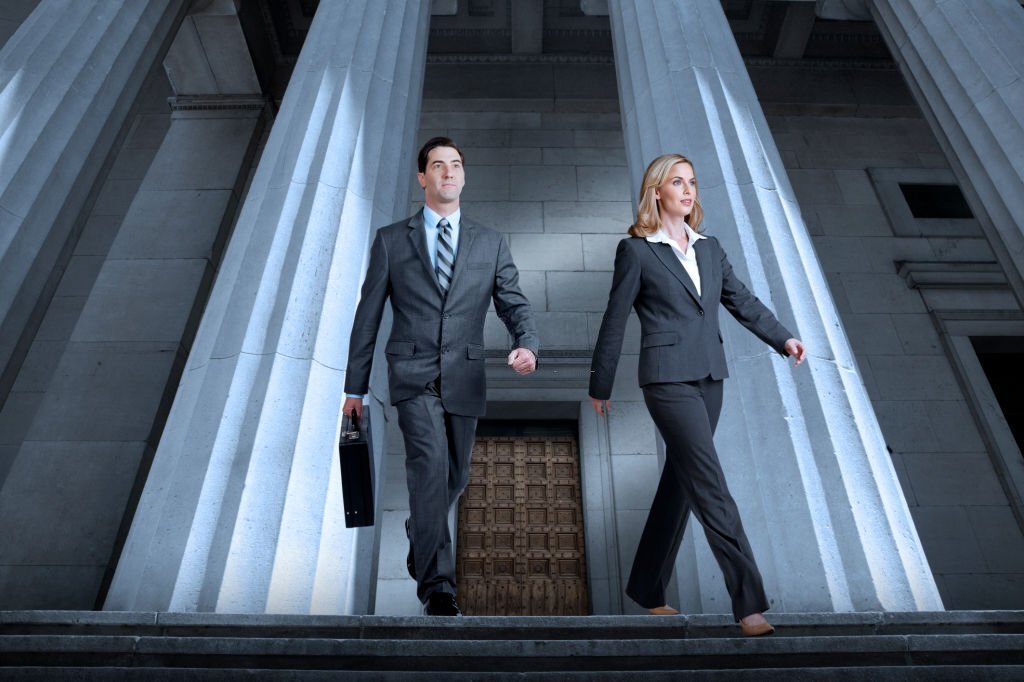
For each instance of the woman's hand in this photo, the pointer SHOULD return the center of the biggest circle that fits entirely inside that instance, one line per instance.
(600, 406)
(796, 349)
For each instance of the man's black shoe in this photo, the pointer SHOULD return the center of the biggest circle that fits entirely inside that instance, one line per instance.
(410, 561)
(442, 604)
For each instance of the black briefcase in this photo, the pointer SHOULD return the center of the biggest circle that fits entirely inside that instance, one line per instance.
(356, 469)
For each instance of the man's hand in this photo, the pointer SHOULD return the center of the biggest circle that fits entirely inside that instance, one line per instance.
(522, 360)
(353, 405)
(600, 406)
(796, 350)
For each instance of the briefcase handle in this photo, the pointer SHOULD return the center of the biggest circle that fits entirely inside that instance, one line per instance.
(350, 427)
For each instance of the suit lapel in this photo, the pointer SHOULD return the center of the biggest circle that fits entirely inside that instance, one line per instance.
(418, 237)
(704, 264)
(467, 232)
(668, 258)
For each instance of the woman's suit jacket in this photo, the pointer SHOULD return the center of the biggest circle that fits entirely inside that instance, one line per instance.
(680, 337)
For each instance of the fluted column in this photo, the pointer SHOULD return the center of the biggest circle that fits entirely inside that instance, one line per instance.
(68, 77)
(242, 509)
(964, 62)
(801, 448)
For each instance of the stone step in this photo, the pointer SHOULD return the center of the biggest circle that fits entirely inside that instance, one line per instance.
(81, 645)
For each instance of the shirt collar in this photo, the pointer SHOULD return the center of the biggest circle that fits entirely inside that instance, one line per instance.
(431, 219)
(661, 236)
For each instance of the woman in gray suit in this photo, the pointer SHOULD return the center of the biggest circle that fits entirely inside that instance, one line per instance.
(675, 277)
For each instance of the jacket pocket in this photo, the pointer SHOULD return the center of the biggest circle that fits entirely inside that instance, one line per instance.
(659, 339)
(400, 348)
(474, 351)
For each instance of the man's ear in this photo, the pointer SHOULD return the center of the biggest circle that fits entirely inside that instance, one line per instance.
(422, 179)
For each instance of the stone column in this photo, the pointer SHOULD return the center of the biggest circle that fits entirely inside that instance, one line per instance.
(68, 77)
(801, 448)
(964, 62)
(242, 510)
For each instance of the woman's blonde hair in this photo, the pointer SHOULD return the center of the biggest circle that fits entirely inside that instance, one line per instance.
(648, 220)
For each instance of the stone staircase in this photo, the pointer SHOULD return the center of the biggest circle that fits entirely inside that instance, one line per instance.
(77, 645)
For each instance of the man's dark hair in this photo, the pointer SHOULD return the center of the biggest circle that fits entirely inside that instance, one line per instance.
(433, 143)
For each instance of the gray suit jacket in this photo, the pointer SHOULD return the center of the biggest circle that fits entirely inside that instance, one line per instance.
(433, 335)
(680, 337)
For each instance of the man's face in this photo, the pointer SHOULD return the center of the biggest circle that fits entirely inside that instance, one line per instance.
(444, 177)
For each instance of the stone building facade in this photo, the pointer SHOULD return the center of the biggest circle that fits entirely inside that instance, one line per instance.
(188, 190)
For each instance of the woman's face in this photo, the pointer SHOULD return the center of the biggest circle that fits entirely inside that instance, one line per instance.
(676, 195)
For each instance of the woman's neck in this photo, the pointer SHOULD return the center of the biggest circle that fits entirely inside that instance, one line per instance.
(675, 227)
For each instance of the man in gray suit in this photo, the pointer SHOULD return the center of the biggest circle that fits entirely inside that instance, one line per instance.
(441, 270)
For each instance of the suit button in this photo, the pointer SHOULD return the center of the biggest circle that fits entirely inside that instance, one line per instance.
(701, 313)
(445, 316)
(444, 349)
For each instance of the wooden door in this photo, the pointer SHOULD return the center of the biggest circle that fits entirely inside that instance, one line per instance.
(520, 538)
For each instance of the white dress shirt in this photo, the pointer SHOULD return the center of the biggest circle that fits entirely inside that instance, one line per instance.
(687, 258)
(430, 221)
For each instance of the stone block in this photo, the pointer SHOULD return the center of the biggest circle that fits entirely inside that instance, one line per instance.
(635, 479)
(16, 416)
(981, 591)
(584, 81)
(626, 386)
(563, 252)
(948, 539)
(477, 138)
(880, 293)
(855, 187)
(541, 138)
(395, 494)
(397, 598)
(917, 334)
(482, 120)
(905, 425)
(597, 138)
(202, 153)
(1000, 537)
(904, 477)
(115, 197)
(79, 275)
(142, 300)
(941, 478)
(846, 221)
(60, 319)
(815, 186)
(70, 587)
(172, 224)
(562, 331)
(39, 365)
(582, 121)
(484, 183)
(599, 251)
(508, 216)
(843, 254)
(901, 377)
(584, 156)
(612, 217)
(544, 183)
(131, 164)
(502, 156)
(97, 235)
(952, 421)
(603, 183)
(63, 501)
(632, 431)
(148, 131)
(578, 291)
(104, 392)
(872, 334)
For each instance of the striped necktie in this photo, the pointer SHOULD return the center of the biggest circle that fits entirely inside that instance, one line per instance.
(445, 255)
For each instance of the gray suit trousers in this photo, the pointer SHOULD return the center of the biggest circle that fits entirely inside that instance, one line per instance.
(686, 414)
(438, 446)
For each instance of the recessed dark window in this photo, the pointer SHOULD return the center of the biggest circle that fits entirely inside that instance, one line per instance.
(1002, 358)
(936, 201)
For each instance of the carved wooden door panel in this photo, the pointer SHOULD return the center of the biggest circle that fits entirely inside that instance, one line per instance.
(520, 538)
